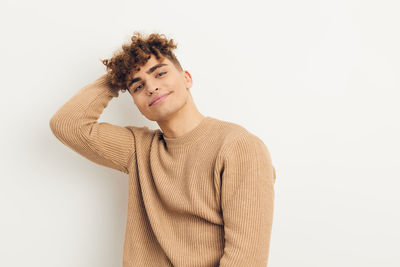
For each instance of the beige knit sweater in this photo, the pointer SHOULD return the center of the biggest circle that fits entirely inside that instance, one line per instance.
(203, 199)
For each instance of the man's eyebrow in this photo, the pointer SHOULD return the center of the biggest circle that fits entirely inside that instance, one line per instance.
(148, 72)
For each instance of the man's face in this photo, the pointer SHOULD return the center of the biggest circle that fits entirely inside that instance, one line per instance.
(155, 79)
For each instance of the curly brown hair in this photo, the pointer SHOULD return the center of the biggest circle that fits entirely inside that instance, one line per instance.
(135, 54)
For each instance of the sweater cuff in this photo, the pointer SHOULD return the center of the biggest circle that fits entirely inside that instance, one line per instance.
(104, 80)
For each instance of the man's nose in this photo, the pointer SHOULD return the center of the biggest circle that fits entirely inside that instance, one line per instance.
(152, 87)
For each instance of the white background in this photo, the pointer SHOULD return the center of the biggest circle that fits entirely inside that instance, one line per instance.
(318, 81)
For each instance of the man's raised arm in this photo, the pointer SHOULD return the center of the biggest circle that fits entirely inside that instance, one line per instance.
(75, 125)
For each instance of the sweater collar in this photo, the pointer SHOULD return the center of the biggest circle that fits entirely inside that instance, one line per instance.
(192, 136)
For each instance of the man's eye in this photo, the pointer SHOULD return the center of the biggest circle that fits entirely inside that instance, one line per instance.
(137, 87)
(142, 84)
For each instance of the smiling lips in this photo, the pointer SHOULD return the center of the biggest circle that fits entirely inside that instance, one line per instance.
(158, 99)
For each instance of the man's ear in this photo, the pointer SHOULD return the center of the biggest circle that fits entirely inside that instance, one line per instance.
(188, 79)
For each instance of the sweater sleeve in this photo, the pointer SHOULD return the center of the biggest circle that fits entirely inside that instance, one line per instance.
(75, 125)
(247, 202)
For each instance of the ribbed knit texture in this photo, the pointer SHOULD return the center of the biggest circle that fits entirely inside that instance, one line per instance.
(203, 199)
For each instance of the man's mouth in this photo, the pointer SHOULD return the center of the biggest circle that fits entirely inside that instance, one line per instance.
(158, 99)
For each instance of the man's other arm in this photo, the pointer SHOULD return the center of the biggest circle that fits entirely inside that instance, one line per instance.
(247, 202)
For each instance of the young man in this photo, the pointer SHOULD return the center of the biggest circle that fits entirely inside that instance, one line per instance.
(201, 190)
